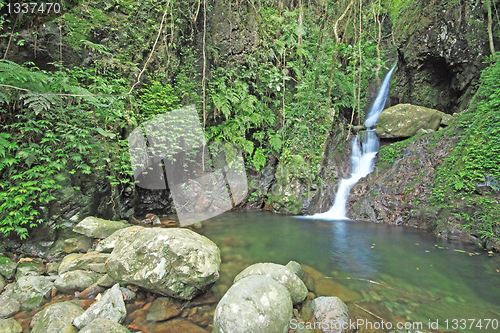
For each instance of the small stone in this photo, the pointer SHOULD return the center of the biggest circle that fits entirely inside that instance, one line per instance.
(98, 268)
(128, 295)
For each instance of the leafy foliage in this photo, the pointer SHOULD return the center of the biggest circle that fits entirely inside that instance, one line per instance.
(476, 159)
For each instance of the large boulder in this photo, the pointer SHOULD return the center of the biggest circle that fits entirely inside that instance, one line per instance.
(78, 280)
(174, 262)
(405, 120)
(255, 303)
(32, 291)
(98, 228)
(110, 306)
(281, 274)
(57, 317)
(30, 267)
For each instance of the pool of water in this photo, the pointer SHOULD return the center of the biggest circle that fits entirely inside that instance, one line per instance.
(449, 286)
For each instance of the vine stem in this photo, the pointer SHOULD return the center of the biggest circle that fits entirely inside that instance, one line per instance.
(10, 38)
(152, 50)
(203, 81)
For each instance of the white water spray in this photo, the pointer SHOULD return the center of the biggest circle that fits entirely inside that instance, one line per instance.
(362, 159)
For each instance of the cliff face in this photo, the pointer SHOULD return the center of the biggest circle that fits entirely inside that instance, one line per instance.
(441, 48)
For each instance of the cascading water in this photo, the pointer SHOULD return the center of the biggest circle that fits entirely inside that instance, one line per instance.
(362, 158)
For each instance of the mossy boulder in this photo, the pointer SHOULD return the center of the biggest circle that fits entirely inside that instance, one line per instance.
(174, 262)
(256, 303)
(98, 228)
(57, 317)
(405, 120)
(30, 267)
(32, 291)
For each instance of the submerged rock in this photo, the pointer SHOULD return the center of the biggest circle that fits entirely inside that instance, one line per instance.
(331, 312)
(104, 325)
(163, 308)
(255, 303)
(32, 291)
(173, 262)
(405, 120)
(57, 317)
(10, 326)
(281, 274)
(98, 228)
(110, 306)
(78, 280)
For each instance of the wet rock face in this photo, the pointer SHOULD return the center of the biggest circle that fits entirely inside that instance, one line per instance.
(441, 57)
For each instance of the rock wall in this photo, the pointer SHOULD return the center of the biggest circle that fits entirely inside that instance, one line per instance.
(441, 48)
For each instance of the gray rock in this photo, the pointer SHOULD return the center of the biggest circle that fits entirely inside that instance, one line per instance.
(280, 273)
(102, 325)
(110, 306)
(256, 303)
(2, 282)
(106, 281)
(173, 262)
(98, 228)
(446, 119)
(7, 267)
(72, 281)
(76, 261)
(108, 244)
(35, 267)
(8, 307)
(331, 312)
(10, 326)
(57, 317)
(32, 291)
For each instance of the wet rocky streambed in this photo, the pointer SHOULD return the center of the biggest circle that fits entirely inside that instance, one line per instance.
(385, 275)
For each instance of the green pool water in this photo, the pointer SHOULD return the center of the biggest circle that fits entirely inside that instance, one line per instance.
(423, 279)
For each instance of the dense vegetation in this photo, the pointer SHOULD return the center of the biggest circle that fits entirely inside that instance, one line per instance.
(282, 96)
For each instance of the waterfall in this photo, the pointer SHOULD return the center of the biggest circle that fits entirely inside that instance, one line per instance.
(362, 158)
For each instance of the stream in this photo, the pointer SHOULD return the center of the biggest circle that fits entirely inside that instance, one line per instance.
(423, 278)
